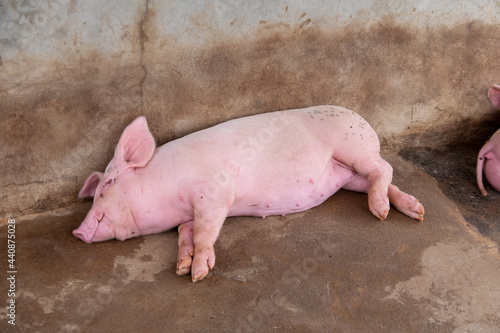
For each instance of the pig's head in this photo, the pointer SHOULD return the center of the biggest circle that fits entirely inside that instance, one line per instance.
(110, 216)
(494, 95)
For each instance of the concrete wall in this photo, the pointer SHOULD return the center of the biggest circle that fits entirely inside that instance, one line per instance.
(74, 73)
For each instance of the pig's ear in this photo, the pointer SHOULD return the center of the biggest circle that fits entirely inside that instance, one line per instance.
(88, 189)
(494, 95)
(136, 145)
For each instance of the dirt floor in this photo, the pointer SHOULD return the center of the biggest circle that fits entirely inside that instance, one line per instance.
(334, 268)
(454, 168)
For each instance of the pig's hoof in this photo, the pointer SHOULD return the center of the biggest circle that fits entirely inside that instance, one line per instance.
(406, 203)
(379, 205)
(202, 263)
(199, 275)
(184, 260)
(412, 208)
(184, 265)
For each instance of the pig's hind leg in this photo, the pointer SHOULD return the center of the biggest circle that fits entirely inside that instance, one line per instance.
(379, 174)
(186, 248)
(404, 202)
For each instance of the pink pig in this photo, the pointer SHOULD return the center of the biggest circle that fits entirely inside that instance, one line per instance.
(489, 155)
(275, 163)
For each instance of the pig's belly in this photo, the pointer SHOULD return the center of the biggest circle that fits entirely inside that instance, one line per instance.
(283, 195)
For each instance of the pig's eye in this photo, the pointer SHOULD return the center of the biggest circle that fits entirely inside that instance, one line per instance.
(99, 219)
(103, 186)
(109, 181)
(105, 183)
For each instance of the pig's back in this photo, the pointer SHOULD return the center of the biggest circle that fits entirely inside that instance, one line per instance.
(278, 162)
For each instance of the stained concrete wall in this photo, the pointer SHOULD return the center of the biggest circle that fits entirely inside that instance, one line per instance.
(73, 73)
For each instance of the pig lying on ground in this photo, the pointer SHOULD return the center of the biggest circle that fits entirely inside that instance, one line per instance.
(489, 155)
(275, 163)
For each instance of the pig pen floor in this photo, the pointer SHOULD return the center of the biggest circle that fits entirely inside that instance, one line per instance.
(334, 268)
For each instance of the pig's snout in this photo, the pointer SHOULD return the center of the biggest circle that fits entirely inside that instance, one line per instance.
(82, 235)
(86, 230)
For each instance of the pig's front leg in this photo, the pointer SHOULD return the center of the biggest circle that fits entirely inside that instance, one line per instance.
(186, 248)
(209, 215)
